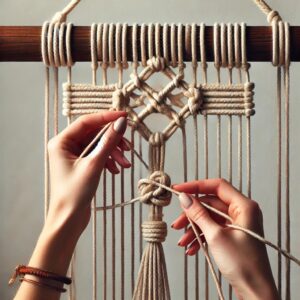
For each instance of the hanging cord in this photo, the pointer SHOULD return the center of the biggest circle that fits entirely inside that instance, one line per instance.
(56, 52)
(281, 60)
(61, 16)
(94, 65)
(193, 50)
(267, 10)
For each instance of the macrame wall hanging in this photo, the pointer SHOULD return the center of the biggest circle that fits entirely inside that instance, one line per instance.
(189, 94)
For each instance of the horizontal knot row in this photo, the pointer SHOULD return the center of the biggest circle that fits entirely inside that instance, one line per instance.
(153, 194)
(80, 99)
(154, 231)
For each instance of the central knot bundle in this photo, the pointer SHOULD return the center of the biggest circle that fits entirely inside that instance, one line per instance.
(151, 193)
(152, 281)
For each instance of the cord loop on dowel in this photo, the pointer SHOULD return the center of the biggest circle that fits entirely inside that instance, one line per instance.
(154, 231)
(56, 44)
(152, 194)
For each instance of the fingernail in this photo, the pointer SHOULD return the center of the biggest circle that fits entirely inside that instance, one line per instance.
(120, 125)
(172, 225)
(126, 161)
(185, 200)
(128, 145)
(187, 252)
(179, 242)
(99, 146)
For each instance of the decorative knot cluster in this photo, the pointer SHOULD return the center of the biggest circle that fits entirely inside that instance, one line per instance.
(154, 231)
(152, 194)
(194, 99)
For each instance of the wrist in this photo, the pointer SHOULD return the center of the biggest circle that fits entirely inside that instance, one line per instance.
(256, 288)
(57, 241)
(54, 250)
(63, 216)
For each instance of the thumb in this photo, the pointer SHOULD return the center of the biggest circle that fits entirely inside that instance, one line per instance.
(108, 142)
(199, 215)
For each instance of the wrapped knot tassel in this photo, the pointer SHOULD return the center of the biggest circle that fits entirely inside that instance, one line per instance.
(152, 282)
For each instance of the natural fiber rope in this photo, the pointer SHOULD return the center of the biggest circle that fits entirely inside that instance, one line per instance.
(132, 224)
(94, 65)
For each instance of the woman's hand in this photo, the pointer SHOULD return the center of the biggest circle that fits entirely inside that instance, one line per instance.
(241, 259)
(73, 183)
(74, 180)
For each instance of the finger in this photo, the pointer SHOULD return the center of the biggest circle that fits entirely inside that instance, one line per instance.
(216, 203)
(124, 144)
(108, 143)
(194, 247)
(219, 187)
(187, 237)
(199, 215)
(180, 222)
(111, 166)
(119, 157)
(89, 123)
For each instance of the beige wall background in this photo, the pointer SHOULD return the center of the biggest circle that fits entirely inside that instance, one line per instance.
(21, 132)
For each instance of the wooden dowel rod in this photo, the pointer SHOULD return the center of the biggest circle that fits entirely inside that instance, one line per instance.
(23, 43)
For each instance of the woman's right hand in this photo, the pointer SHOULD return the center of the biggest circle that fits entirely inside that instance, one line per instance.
(242, 259)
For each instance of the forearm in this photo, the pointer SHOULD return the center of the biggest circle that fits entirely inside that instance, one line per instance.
(53, 252)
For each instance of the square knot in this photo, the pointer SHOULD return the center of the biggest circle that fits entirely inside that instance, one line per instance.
(153, 194)
(119, 100)
(154, 231)
(156, 64)
(194, 99)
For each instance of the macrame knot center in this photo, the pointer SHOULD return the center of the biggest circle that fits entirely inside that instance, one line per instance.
(119, 100)
(157, 64)
(152, 194)
(154, 231)
(194, 99)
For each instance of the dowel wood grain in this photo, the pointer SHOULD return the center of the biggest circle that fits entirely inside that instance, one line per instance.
(23, 43)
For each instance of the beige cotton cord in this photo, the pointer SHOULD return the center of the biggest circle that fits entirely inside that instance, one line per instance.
(94, 65)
